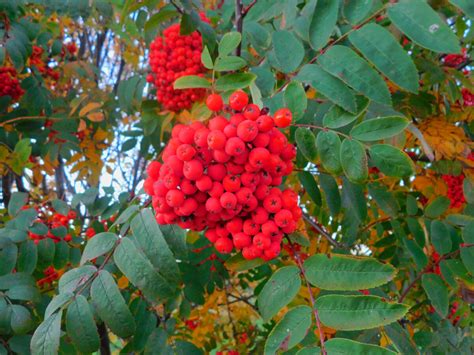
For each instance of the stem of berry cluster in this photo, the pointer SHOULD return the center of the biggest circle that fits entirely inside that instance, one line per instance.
(311, 295)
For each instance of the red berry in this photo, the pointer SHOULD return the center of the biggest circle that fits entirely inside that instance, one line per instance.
(224, 245)
(283, 117)
(251, 112)
(238, 100)
(214, 102)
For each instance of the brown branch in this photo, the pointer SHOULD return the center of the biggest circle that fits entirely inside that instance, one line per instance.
(180, 10)
(322, 231)
(239, 23)
(311, 296)
(60, 179)
(248, 7)
(6, 188)
(104, 339)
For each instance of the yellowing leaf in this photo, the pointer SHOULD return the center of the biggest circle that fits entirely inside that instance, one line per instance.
(96, 116)
(89, 107)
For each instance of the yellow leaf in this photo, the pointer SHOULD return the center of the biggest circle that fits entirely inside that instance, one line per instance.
(96, 116)
(89, 107)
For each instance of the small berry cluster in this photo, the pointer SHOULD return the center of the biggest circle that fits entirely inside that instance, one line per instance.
(454, 60)
(51, 275)
(37, 60)
(467, 97)
(223, 177)
(52, 219)
(91, 231)
(10, 86)
(435, 259)
(455, 189)
(172, 57)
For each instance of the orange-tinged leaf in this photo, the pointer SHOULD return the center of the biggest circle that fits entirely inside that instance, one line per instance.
(96, 116)
(89, 107)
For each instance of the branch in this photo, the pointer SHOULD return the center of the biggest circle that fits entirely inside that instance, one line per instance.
(311, 296)
(60, 180)
(180, 10)
(104, 339)
(322, 231)
(239, 23)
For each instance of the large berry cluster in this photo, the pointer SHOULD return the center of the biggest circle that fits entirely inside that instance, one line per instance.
(172, 57)
(223, 177)
(10, 86)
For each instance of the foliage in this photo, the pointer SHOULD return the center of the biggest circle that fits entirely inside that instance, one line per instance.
(381, 97)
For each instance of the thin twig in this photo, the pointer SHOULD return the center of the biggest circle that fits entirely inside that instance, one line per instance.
(322, 231)
(239, 23)
(311, 296)
(180, 10)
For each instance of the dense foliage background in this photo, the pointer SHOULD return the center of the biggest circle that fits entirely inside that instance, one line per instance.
(382, 100)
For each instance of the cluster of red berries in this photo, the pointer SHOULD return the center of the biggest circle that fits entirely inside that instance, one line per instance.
(50, 275)
(69, 48)
(172, 57)
(455, 189)
(223, 177)
(10, 86)
(37, 60)
(228, 352)
(454, 60)
(467, 97)
(435, 268)
(52, 220)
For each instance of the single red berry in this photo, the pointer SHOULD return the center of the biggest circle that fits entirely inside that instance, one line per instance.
(214, 102)
(238, 100)
(283, 117)
(251, 112)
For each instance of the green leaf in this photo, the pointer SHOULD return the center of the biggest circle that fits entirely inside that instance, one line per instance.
(189, 23)
(437, 207)
(234, 81)
(310, 350)
(21, 321)
(423, 26)
(421, 260)
(379, 128)
(16, 279)
(101, 244)
(151, 241)
(17, 201)
(289, 51)
(329, 148)
(182, 347)
(191, 82)
(323, 22)
(468, 189)
(347, 273)
(333, 88)
(468, 233)
(337, 117)
(8, 256)
(60, 206)
(81, 326)
(23, 293)
(440, 237)
(295, 99)
(289, 331)
(467, 6)
(279, 290)
(306, 142)
(358, 312)
(229, 63)
(111, 306)
(57, 302)
(354, 160)
(140, 272)
(45, 340)
(380, 48)
(161, 16)
(228, 43)
(437, 292)
(357, 10)
(238, 263)
(467, 257)
(391, 161)
(345, 64)
(339, 346)
(206, 58)
(331, 192)
(310, 186)
(74, 278)
(126, 214)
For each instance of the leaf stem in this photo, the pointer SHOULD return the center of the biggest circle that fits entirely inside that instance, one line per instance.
(311, 295)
